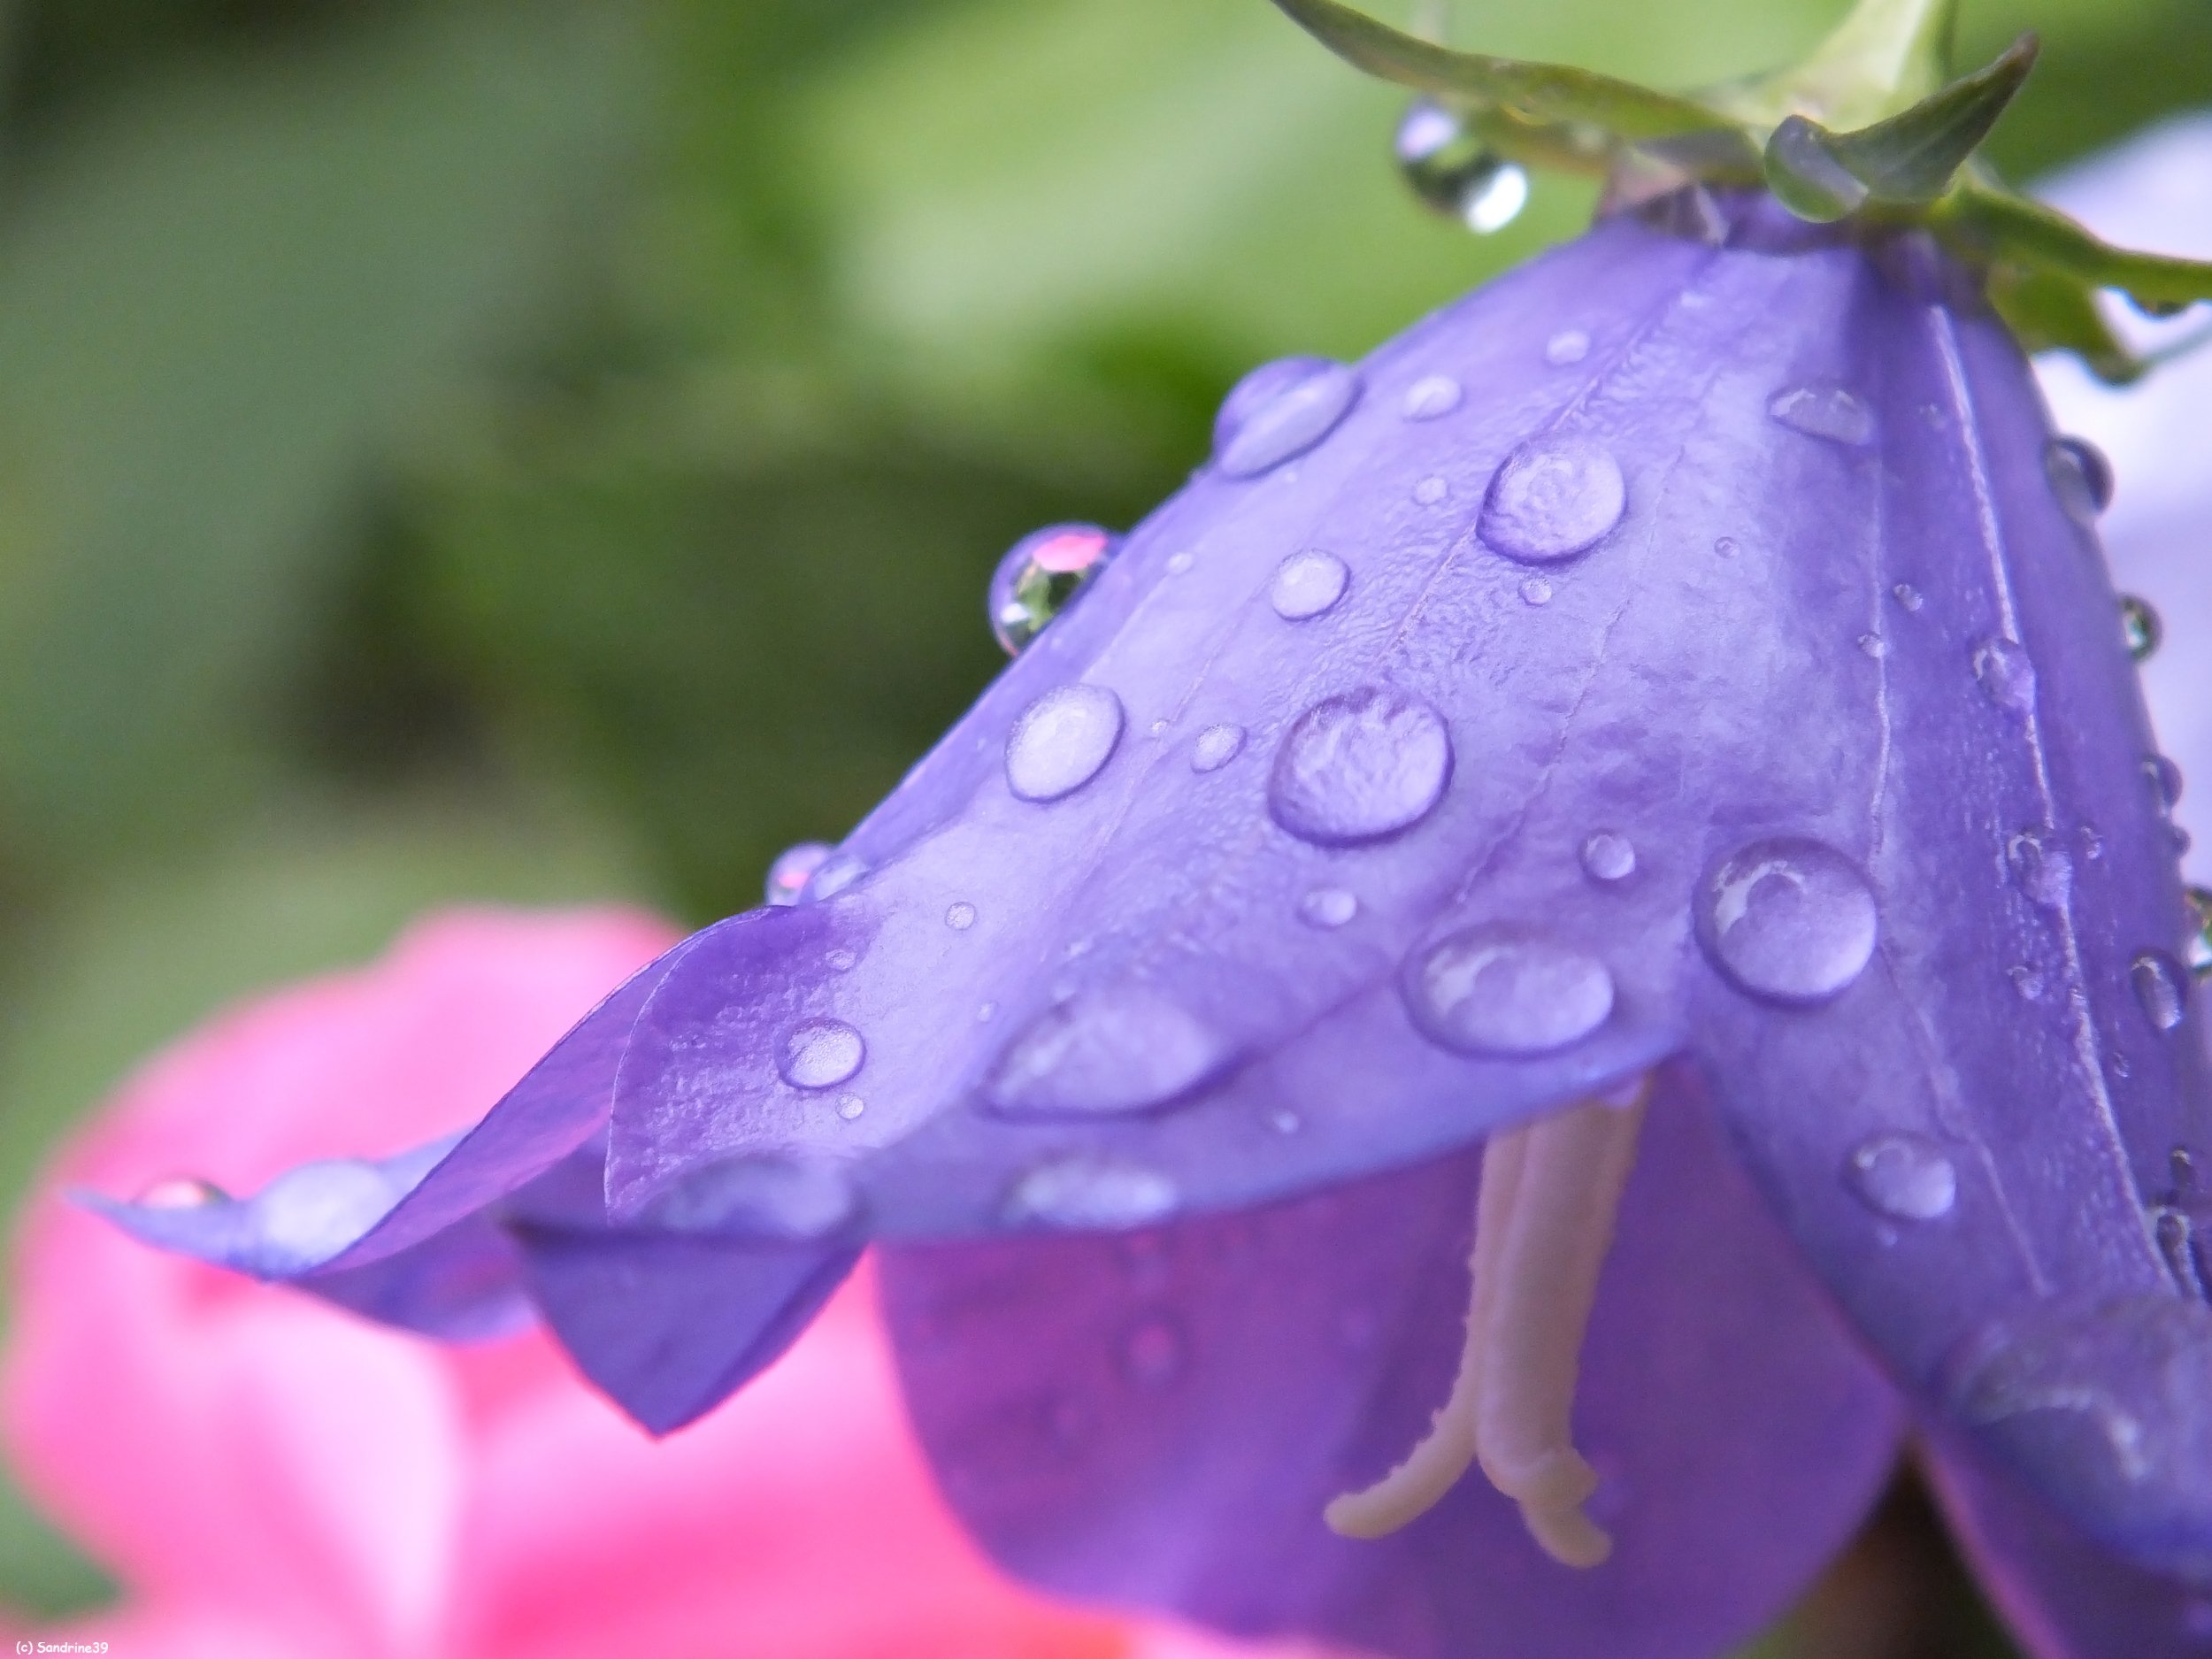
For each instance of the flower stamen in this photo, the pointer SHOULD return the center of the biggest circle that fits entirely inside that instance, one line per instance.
(1543, 1220)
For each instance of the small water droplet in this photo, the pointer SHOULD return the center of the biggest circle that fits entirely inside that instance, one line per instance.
(1907, 595)
(1308, 584)
(1482, 991)
(1453, 172)
(984, 1011)
(1568, 345)
(1153, 1355)
(1789, 920)
(1431, 490)
(1062, 741)
(752, 1194)
(1091, 1194)
(1824, 410)
(850, 1106)
(1726, 545)
(2042, 866)
(2200, 948)
(1281, 409)
(1105, 1053)
(1535, 591)
(1607, 856)
(1873, 645)
(794, 867)
(820, 1053)
(1431, 396)
(2027, 981)
(2165, 780)
(1359, 767)
(1328, 907)
(2140, 626)
(833, 876)
(2005, 673)
(1905, 1177)
(180, 1191)
(960, 916)
(1284, 1123)
(1178, 562)
(2161, 987)
(1216, 748)
(1041, 576)
(2080, 477)
(1552, 498)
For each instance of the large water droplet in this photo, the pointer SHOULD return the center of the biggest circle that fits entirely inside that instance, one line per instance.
(180, 1191)
(1328, 907)
(2005, 673)
(1360, 767)
(312, 1211)
(1484, 992)
(1789, 920)
(1607, 856)
(1307, 585)
(2165, 780)
(1281, 409)
(2199, 950)
(1154, 1354)
(833, 876)
(758, 1195)
(1905, 1177)
(1060, 742)
(2042, 866)
(820, 1053)
(1431, 396)
(1824, 410)
(960, 916)
(2162, 986)
(794, 867)
(1105, 1053)
(1568, 345)
(1091, 1194)
(1216, 748)
(1552, 498)
(2081, 479)
(1041, 576)
(1453, 172)
(2140, 626)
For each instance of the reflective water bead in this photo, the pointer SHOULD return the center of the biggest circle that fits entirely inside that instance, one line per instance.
(1360, 767)
(180, 1191)
(2165, 780)
(1085, 1193)
(2004, 672)
(1281, 409)
(1535, 591)
(794, 867)
(1216, 748)
(833, 876)
(1726, 545)
(2161, 987)
(2140, 626)
(850, 1106)
(1328, 907)
(1431, 396)
(1568, 345)
(2042, 866)
(1041, 576)
(1905, 1177)
(820, 1053)
(2080, 477)
(1608, 857)
(2199, 951)
(1308, 584)
(840, 960)
(1487, 993)
(1906, 596)
(1789, 920)
(960, 916)
(1454, 172)
(1873, 645)
(1552, 498)
(1824, 410)
(1062, 741)
(756, 1194)
(1431, 490)
(1105, 1053)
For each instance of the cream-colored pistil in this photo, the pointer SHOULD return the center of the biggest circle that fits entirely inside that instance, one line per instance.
(1543, 1222)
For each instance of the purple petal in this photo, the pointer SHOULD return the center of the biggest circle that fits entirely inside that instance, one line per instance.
(1159, 1418)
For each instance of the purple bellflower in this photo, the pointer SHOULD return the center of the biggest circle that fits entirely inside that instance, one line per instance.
(1574, 851)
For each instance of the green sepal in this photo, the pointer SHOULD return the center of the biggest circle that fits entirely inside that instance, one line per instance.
(2050, 313)
(1913, 155)
(2009, 229)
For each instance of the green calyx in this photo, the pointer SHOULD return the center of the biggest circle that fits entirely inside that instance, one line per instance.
(1874, 127)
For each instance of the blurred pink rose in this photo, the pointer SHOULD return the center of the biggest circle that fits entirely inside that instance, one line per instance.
(267, 1476)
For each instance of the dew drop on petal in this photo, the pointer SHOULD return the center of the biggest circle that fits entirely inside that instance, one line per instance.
(2200, 950)
(1359, 767)
(1568, 345)
(1281, 409)
(1308, 584)
(1482, 992)
(1824, 410)
(833, 876)
(2161, 987)
(1431, 396)
(2081, 479)
(1873, 646)
(1041, 576)
(2027, 981)
(312, 1211)
(1431, 490)
(2165, 780)
(1178, 562)
(1091, 1194)
(2002, 668)
(1062, 741)
(1153, 1355)
(1216, 748)
(840, 960)
(1608, 857)
(850, 1106)
(1907, 595)
(1552, 498)
(820, 1053)
(1284, 1123)
(2140, 626)
(794, 867)
(1453, 172)
(960, 916)
(1789, 920)
(1105, 1053)
(1904, 1177)
(1328, 907)
(1535, 591)
(1726, 545)
(180, 1191)
(2042, 866)
(756, 1195)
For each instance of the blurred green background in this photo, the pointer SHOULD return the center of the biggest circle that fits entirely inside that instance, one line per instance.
(553, 449)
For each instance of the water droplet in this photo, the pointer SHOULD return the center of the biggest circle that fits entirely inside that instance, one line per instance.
(984, 1011)
(1062, 741)
(960, 916)
(1535, 591)
(1284, 1123)
(2081, 479)
(751, 1193)
(2140, 626)
(1824, 410)
(1216, 748)
(840, 960)
(2161, 987)
(2042, 866)
(1568, 345)
(1607, 856)
(1359, 767)
(2027, 981)
(833, 876)
(1872, 644)
(1431, 490)
(1790, 920)
(1328, 907)
(1041, 576)
(1907, 595)
(2002, 667)
(180, 1191)
(1552, 499)
(794, 867)
(2200, 950)
(1430, 396)
(1281, 409)
(1308, 584)
(1105, 1053)
(1091, 1194)
(1725, 546)
(1178, 562)
(820, 1053)
(1154, 1353)
(2165, 780)
(1482, 991)
(311, 1212)
(850, 1106)
(1453, 172)
(1905, 1177)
